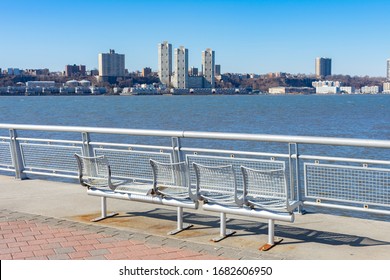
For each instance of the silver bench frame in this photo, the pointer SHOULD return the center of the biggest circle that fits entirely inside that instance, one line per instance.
(101, 185)
(243, 206)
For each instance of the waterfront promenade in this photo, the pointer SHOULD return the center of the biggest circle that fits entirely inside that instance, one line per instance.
(42, 219)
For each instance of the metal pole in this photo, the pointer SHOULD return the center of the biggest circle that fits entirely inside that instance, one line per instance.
(223, 224)
(17, 155)
(271, 232)
(104, 207)
(176, 149)
(179, 218)
(87, 148)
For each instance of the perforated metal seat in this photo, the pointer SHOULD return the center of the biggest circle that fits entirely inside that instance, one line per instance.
(171, 181)
(94, 172)
(267, 190)
(217, 185)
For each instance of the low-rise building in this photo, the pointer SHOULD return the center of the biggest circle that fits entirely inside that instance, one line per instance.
(370, 90)
(347, 90)
(291, 90)
(386, 87)
(327, 90)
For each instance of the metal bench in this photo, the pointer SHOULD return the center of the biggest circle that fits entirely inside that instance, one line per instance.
(168, 184)
(264, 195)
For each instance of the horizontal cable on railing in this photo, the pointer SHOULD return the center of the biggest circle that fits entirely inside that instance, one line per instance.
(342, 159)
(215, 151)
(49, 140)
(130, 146)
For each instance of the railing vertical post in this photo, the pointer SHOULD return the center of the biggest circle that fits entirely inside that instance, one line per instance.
(87, 148)
(297, 178)
(16, 155)
(294, 172)
(177, 156)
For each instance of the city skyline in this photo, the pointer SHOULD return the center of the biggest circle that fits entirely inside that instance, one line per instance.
(249, 36)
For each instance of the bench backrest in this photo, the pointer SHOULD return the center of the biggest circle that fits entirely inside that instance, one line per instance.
(132, 165)
(265, 183)
(236, 163)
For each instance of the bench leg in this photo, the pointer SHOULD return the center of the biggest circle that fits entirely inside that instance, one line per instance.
(223, 233)
(104, 214)
(180, 225)
(271, 237)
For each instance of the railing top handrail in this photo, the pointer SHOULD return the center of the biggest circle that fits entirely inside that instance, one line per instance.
(103, 130)
(335, 141)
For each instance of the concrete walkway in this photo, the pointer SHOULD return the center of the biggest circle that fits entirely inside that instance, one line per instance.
(42, 219)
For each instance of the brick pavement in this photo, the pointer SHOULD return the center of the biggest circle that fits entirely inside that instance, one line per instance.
(31, 237)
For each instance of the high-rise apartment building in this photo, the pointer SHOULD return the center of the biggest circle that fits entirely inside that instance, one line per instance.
(208, 68)
(165, 62)
(111, 66)
(323, 66)
(181, 68)
(388, 69)
(181, 76)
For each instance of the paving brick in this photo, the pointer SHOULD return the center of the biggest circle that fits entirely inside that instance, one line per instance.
(25, 238)
(78, 255)
(75, 238)
(10, 250)
(90, 242)
(117, 256)
(30, 248)
(103, 245)
(107, 239)
(17, 244)
(8, 240)
(22, 255)
(37, 242)
(115, 250)
(45, 252)
(59, 257)
(64, 234)
(65, 250)
(5, 256)
(70, 243)
(56, 240)
(100, 257)
(51, 245)
(99, 252)
(123, 243)
(37, 258)
(84, 248)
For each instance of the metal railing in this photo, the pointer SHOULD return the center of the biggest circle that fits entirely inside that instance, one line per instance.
(320, 172)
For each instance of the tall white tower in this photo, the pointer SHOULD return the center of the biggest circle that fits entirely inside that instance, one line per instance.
(181, 68)
(165, 62)
(208, 68)
(388, 69)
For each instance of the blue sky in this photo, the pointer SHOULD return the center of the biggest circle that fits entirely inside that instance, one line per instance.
(248, 36)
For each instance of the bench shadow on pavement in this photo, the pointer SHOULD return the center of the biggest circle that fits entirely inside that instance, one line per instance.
(291, 233)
